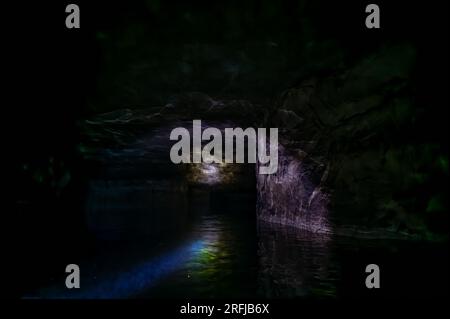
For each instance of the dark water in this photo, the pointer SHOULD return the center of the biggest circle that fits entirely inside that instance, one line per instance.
(223, 252)
(224, 264)
(155, 237)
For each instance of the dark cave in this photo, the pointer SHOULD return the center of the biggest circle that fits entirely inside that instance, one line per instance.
(363, 156)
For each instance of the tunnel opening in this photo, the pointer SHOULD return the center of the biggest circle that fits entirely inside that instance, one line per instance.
(160, 229)
(139, 192)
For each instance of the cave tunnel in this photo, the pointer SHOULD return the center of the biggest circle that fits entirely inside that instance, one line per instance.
(362, 159)
(156, 229)
(160, 224)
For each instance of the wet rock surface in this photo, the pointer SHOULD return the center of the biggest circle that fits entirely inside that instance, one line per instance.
(352, 160)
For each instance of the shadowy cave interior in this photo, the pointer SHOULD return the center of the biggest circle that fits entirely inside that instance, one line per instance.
(362, 165)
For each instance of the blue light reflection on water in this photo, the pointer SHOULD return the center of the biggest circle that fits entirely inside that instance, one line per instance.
(130, 282)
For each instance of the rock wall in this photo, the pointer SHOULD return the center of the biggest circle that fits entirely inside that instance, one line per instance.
(352, 158)
(294, 195)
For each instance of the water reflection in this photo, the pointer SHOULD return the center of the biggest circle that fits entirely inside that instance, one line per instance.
(224, 266)
(294, 263)
(125, 282)
(224, 253)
